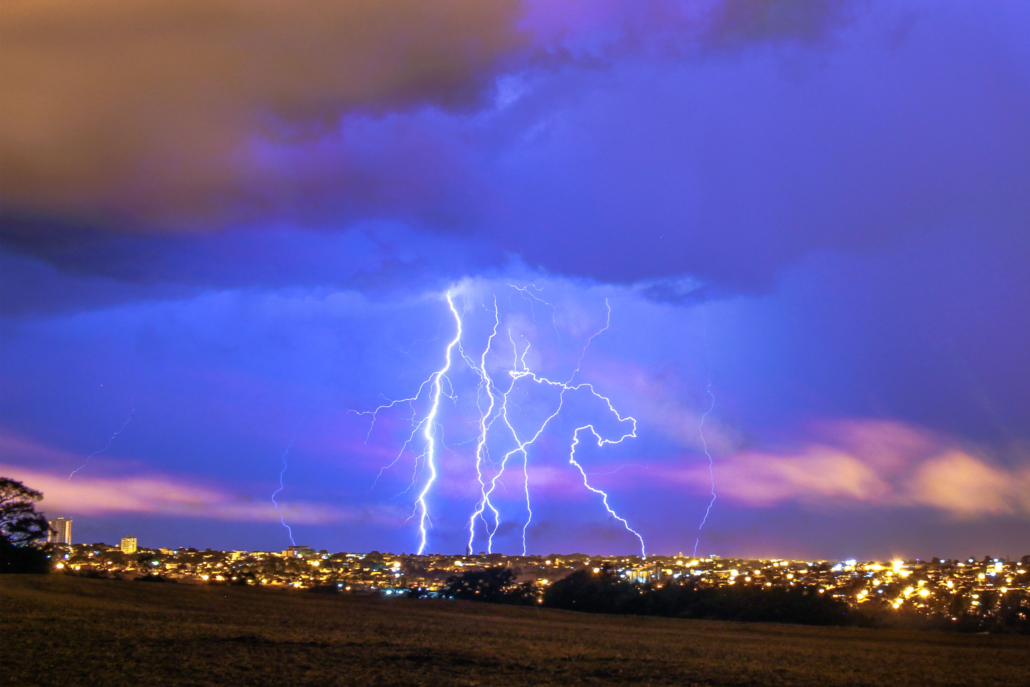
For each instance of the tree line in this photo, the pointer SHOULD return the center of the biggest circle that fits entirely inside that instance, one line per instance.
(605, 591)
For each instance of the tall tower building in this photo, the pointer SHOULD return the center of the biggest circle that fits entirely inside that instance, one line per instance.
(60, 531)
(128, 544)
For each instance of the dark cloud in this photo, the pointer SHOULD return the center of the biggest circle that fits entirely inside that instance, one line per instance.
(138, 113)
(128, 118)
(596, 32)
(87, 269)
(714, 160)
(736, 22)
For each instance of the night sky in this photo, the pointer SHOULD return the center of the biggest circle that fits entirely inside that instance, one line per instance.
(229, 229)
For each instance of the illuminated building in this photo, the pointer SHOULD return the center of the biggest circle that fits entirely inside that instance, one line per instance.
(128, 544)
(60, 531)
(297, 551)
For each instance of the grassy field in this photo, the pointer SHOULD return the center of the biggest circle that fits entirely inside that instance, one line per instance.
(60, 630)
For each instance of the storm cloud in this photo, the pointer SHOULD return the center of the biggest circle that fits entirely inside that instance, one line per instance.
(242, 218)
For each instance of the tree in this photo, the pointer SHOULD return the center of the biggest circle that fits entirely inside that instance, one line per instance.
(594, 592)
(494, 585)
(20, 524)
(23, 531)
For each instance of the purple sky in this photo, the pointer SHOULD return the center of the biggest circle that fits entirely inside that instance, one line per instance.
(236, 226)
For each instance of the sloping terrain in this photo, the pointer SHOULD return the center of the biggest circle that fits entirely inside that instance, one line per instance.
(60, 630)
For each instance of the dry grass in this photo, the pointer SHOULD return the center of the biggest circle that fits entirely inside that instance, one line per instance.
(59, 630)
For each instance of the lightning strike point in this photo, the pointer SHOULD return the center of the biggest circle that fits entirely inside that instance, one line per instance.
(282, 472)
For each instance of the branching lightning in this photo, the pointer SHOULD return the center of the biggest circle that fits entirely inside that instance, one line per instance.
(601, 442)
(486, 385)
(430, 428)
(281, 487)
(493, 405)
(526, 293)
(108, 444)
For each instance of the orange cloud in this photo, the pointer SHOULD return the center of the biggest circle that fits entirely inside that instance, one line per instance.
(957, 482)
(157, 100)
(871, 462)
(820, 472)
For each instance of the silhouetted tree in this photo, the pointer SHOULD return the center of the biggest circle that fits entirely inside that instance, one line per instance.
(373, 560)
(23, 531)
(245, 578)
(494, 585)
(594, 592)
(605, 592)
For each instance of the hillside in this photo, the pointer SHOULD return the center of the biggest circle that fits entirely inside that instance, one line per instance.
(61, 630)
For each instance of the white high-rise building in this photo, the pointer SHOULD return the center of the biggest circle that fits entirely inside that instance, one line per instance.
(128, 544)
(60, 531)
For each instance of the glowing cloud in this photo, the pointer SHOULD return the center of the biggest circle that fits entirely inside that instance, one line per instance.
(167, 496)
(874, 463)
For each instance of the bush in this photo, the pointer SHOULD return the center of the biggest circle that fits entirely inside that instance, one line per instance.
(605, 592)
(25, 559)
(493, 585)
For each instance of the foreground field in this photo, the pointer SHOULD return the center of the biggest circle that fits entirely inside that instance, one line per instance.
(59, 630)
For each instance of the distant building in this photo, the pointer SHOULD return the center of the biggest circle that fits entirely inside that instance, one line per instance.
(128, 544)
(298, 551)
(60, 531)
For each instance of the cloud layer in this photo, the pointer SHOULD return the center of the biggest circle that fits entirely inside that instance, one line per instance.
(142, 112)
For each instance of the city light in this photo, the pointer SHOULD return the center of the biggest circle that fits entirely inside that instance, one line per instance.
(927, 589)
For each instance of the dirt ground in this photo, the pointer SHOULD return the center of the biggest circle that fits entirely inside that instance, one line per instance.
(61, 630)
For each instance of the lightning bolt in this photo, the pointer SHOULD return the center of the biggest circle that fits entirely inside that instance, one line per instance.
(493, 406)
(108, 444)
(527, 294)
(485, 385)
(429, 430)
(281, 487)
(427, 425)
(704, 442)
(604, 497)
(522, 446)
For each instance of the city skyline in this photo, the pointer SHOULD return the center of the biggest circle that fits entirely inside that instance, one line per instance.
(946, 594)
